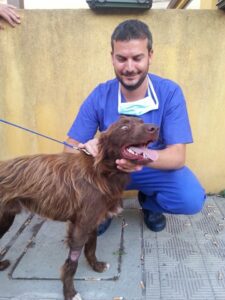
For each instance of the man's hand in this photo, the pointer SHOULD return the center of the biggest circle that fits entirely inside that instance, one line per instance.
(127, 166)
(8, 13)
(91, 146)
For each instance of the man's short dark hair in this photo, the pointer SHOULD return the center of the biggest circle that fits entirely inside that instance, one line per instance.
(132, 30)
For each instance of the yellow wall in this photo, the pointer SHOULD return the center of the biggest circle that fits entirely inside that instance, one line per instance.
(208, 4)
(52, 61)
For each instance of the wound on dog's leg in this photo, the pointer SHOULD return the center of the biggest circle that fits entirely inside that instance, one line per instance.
(74, 255)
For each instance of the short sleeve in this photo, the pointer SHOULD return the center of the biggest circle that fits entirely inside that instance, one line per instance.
(85, 124)
(176, 126)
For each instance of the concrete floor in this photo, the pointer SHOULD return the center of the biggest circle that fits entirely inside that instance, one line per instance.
(185, 261)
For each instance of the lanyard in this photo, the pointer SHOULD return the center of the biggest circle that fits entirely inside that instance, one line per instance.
(44, 136)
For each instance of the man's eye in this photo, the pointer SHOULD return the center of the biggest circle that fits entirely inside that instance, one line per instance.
(137, 59)
(121, 59)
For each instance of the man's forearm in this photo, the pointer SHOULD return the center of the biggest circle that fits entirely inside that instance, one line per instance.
(173, 157)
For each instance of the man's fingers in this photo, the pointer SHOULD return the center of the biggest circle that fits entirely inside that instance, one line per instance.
(13, 18)
(11, 6)
(90, 146)
(127, 166)
(129, 170)
(81, 146)
(9, 14)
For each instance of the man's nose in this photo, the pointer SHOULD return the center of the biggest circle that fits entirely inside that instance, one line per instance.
(129, 65)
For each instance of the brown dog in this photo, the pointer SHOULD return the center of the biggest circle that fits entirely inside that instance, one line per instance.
(77, 188)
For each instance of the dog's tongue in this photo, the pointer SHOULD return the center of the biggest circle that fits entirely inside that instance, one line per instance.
(147, 153)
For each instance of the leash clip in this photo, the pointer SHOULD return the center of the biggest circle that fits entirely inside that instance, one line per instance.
(77, 148)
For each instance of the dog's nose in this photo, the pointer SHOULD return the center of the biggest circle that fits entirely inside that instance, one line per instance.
(152, 128)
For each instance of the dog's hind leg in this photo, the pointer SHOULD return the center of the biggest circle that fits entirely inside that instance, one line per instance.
(90, 250)
(6, 220)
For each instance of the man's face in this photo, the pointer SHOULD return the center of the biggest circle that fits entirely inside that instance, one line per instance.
(131, 61)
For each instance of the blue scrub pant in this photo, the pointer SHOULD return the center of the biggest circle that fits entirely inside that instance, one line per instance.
(169, 191)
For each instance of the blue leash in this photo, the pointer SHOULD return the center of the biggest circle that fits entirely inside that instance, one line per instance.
(44, 136)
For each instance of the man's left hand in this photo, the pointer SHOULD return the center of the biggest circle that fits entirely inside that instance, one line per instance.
(9, 14)
(127, 166)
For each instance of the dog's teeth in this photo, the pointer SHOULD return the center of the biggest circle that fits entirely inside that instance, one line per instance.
(77, 297)
(130, 151)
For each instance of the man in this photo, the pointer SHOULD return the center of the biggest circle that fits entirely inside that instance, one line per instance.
(165, 184)
(8, 13)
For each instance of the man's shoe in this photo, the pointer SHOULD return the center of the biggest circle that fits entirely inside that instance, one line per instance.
(153, 220)
(103, 227)
(141, 198)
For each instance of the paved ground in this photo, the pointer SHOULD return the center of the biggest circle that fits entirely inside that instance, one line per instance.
(185, 261)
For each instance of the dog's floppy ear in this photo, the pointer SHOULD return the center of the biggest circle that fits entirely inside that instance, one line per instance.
(107, 147)
(102, 149)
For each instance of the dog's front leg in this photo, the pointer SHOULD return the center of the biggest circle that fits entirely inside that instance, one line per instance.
(90, 250)
(68, 271)
(76, 240)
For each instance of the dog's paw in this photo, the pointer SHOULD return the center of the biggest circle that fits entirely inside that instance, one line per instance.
(77, 297)
(101, 266)
(4, 264)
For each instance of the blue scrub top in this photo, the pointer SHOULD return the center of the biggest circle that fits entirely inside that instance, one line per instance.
(100, 109)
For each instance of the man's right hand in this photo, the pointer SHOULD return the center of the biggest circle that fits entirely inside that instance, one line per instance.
(91, 146)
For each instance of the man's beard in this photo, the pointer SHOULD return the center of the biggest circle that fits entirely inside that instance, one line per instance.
(136, 85)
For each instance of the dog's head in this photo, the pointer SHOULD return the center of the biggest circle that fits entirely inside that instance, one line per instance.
(128, 138)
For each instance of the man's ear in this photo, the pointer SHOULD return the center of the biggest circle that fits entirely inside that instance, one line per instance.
(112, 59)
(150, 56)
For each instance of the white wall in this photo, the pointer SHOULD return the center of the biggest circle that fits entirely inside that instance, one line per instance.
(60, 4)
(56, 4)
(194, 4)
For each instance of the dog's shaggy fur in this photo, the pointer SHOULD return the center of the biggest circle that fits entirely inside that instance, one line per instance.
(77, 188)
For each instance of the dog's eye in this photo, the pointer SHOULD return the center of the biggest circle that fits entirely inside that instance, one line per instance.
(125, 127)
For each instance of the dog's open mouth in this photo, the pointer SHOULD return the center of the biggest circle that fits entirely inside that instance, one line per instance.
(139, 152)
